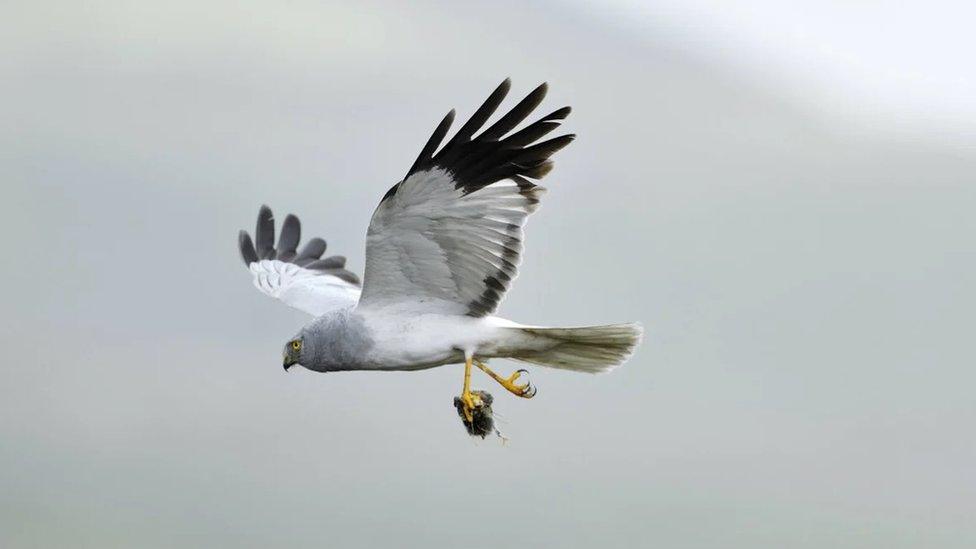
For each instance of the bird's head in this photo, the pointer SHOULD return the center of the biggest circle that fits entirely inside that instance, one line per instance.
(294, 351)
(333, 342)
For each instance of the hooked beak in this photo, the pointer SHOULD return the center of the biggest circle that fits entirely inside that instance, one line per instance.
(289, 363)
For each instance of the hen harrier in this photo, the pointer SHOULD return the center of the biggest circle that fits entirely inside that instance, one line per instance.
(442, 248)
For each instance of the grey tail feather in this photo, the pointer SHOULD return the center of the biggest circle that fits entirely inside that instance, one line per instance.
(590, 349)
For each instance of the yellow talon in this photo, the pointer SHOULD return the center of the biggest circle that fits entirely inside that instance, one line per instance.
(469, 400)
(524, 390)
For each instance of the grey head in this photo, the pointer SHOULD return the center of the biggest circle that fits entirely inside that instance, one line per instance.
(336, 341)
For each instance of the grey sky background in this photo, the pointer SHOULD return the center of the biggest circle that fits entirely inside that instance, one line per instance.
(796, 236)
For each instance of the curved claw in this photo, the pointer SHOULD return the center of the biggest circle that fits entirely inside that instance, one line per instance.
(468, 401)
(525, 390)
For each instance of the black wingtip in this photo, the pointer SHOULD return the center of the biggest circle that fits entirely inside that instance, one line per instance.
(287, 245)
(516, 115)
(247, 247)
(541, 90)
(481, 115)
(291, 234)
(541, 170)
(560, 114)
(264, 233)
(496, 153)
(552, 146)
(334, 262)
(311, 251)
(430, 148)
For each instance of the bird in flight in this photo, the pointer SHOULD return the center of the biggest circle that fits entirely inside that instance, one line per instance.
(442, 248)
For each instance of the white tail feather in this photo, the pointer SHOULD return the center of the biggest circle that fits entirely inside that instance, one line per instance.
(591, 349)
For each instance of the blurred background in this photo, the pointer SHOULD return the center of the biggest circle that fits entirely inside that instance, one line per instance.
(782, 194)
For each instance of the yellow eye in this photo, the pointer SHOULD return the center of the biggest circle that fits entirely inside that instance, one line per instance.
(297, 345)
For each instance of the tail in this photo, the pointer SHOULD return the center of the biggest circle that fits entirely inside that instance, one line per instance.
(590, 349)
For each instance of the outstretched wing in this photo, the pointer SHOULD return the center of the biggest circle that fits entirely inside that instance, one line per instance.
(448, 238)
(300, 279)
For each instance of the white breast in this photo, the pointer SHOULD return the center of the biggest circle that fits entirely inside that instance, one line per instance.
(410, 341)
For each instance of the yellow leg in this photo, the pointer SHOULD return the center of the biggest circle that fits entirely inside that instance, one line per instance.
(524, 390)
(469, 399)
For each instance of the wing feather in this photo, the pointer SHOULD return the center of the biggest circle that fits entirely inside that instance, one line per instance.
(300, 280)
(264, 232)
(291, 234)
(448, 238)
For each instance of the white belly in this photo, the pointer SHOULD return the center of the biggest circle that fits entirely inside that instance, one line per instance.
(414, 342)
